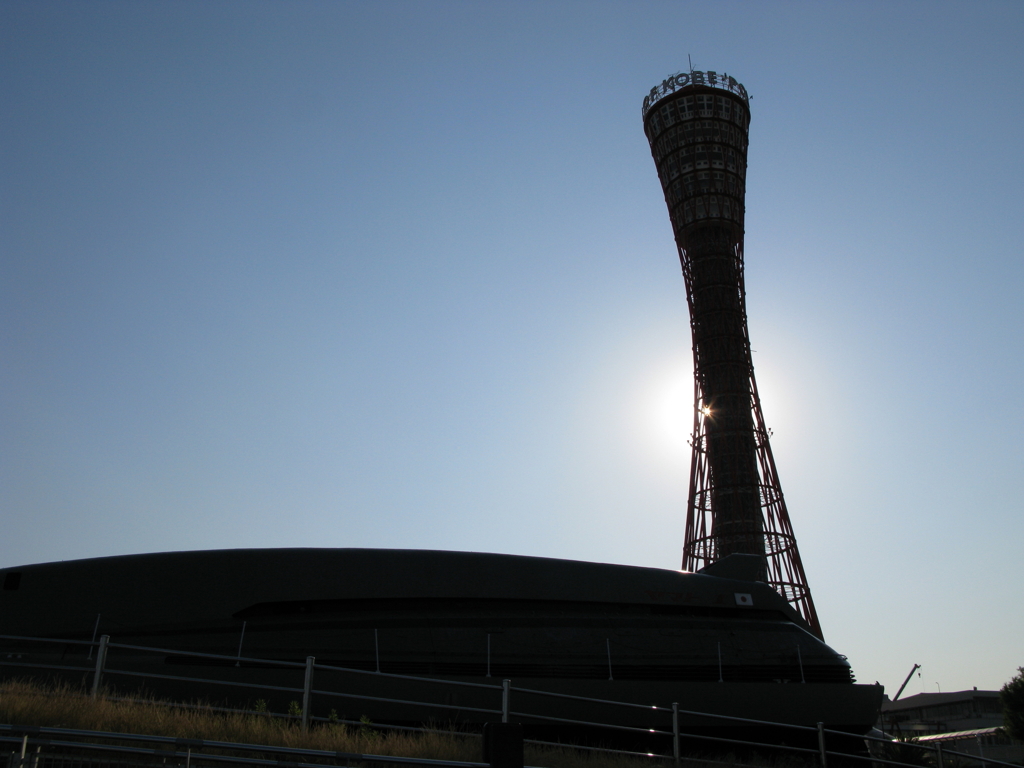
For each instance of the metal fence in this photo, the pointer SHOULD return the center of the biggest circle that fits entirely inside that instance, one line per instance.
(70, 747)
(878, 752)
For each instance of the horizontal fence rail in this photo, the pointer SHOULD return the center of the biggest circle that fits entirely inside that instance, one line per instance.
(194, 748)
(99, 669)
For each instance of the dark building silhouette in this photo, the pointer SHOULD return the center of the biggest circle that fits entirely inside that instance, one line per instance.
(596, 630)
(697, 124)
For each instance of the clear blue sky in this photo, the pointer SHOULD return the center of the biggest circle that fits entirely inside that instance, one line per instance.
(400, 274)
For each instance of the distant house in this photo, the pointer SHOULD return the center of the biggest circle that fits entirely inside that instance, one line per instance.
(928, 713)
(964, 721)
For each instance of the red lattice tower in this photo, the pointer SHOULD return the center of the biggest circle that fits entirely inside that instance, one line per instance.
(697, 126)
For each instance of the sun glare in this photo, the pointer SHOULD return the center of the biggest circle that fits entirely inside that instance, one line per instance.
(670, 409)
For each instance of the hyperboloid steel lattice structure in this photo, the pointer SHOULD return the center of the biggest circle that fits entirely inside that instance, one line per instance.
(697, 125)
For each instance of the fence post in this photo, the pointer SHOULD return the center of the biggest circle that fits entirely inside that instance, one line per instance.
(675, 732)
(938, 755)
(95, 629)
(506, 685)
(101, 660)
(241, 639)
(307, 692)
(821, 745)
(503, 745)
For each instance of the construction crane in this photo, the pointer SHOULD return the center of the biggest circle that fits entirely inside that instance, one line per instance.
(912, 671)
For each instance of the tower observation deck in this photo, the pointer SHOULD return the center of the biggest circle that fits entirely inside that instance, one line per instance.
(697, 125)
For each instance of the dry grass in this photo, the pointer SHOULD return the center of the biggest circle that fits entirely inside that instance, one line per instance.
(63, 706)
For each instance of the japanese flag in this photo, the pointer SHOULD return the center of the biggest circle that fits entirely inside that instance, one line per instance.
(742, 598)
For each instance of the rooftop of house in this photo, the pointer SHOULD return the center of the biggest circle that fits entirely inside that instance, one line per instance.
(923, 700)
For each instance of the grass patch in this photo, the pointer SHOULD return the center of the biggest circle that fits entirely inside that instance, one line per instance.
(61, 705)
